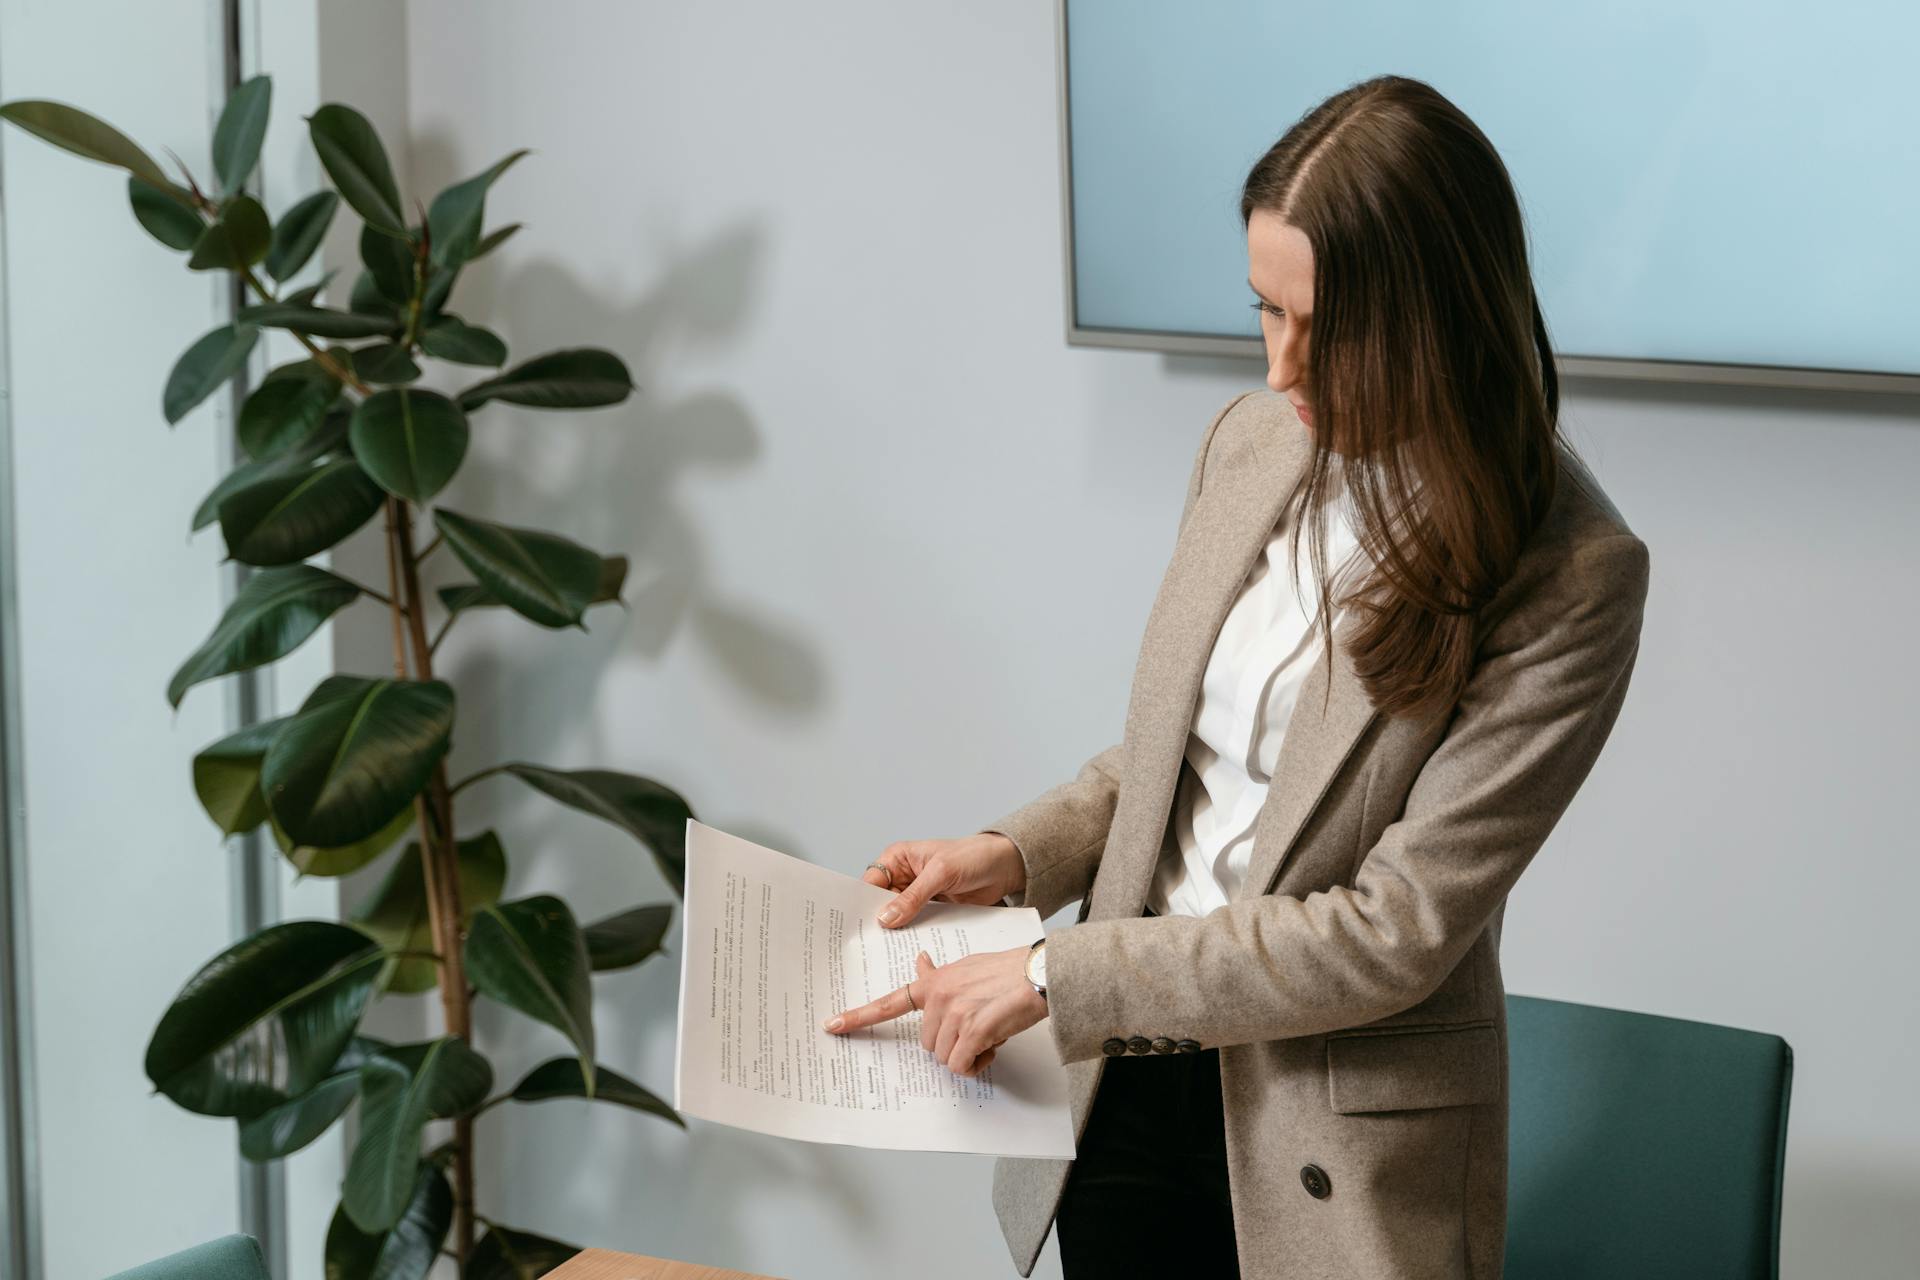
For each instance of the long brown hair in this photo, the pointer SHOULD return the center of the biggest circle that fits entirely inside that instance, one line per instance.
(1429, 366)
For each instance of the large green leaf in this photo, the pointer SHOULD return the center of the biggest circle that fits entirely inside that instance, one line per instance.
(624, 940)
(539, 575)
(318, 320)
(365, 299)
(457, 212)
(289, 514)
(471, 595)
(242, 128)
(654, 814)
(530, 955)
(283, 411)
(506, 1254)
(390, 263)
(406, 1251)
(396, 912)
(440, 282)
(274, 611)
(265, 1019)
(173, 224)
(385, 363)
(401, 1088)
(218, 355)
(439, 285)
(345, 859)
(351, 153)
(354, 755)
(74, 130)
(226, 777)
(299, 232)
(236, 239)
(576, 378)
(329, 437)
(409, 440)
(282, 1130)
(451, 338)
(561, 1078)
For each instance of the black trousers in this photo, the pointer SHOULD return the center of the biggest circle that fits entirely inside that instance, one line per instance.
(1148, 1189)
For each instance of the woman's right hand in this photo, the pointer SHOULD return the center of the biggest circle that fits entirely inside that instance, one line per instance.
(979, 870)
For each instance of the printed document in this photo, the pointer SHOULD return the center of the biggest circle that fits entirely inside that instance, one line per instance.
(772, 946)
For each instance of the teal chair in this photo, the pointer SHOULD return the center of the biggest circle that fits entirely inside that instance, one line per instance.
(235, 1257)
(1642, 1146)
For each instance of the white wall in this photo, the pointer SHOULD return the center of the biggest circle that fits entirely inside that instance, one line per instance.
(893, 543)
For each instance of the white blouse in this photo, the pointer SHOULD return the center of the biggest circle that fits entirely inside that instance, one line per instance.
(1266, 646)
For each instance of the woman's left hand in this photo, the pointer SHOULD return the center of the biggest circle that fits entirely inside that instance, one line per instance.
(968, 1009)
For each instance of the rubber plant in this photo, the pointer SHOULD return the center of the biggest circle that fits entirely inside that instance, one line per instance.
(267, 1033)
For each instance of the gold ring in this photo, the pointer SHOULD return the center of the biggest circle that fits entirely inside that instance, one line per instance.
(883, 866)
(910, 1004)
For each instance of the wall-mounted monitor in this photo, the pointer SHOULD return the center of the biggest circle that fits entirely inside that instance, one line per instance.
(1720, 191)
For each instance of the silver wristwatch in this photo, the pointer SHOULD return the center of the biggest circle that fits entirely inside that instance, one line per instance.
(1037, 966)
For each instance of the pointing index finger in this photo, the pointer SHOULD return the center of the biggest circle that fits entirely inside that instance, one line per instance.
(892, 1005)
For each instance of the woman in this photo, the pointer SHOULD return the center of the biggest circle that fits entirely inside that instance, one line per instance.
(1282, 1011)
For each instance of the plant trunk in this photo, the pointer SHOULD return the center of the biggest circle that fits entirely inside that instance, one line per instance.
(439, 852)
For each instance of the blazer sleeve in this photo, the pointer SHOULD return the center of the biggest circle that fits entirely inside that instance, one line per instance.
(1548, 686)
(1061, 833)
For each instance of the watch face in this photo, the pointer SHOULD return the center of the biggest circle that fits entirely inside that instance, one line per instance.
(1037, 966)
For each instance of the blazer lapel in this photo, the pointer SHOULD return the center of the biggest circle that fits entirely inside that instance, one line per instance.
(1228, 531)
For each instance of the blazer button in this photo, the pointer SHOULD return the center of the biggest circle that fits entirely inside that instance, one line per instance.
(1188, 1046)
(1114, 1047)
(1162, 1044)
(1315, 1180)
(1139, 1044)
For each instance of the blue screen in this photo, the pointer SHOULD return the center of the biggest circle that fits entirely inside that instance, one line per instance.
(1715, 182)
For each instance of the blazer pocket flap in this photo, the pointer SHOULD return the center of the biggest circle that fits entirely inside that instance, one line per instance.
(1407, 1067)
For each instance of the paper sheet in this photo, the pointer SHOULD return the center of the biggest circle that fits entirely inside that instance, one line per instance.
(772, 946)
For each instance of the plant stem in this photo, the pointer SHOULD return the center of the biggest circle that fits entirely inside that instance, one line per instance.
(367, 590)
(472, 778)
(393, 590)
(440, 868)
(343, 374)
(439, 852)
(490, 1104)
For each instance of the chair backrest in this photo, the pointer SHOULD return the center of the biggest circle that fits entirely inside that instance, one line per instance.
(235, 1257)
(1642, 1146)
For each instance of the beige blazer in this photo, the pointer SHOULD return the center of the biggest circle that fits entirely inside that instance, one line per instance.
(1353, 986)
